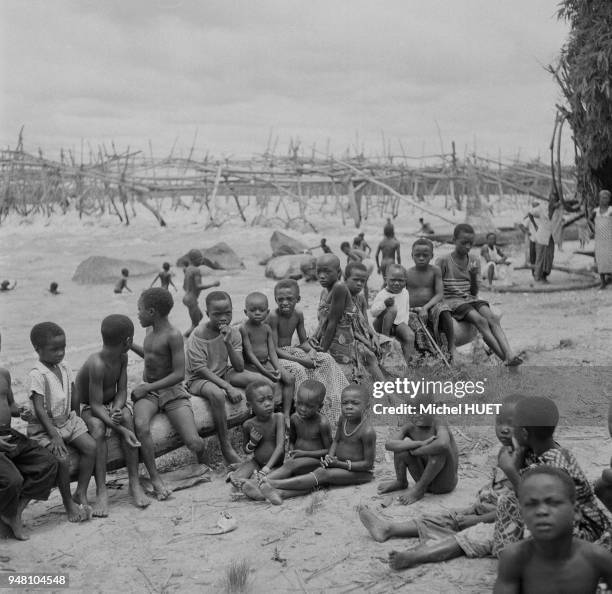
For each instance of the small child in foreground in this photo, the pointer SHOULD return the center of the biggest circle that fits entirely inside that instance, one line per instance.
(552, 559)
(55, 422)
(260, 350)
(122, 282)
(309, 438)
(27, 470)
(391, 309)
(102, 388)
(162, 388)
(165, 277)
(424, 447)
(350, 459)
(264, 434)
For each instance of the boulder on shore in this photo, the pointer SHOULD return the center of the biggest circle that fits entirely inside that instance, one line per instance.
(99, 270)
(289, 266)
(218, 257)
(283, 245)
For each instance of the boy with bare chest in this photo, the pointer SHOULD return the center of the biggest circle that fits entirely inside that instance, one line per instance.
(260, 350)
(101, 384)
(193, 286)
(162, 389)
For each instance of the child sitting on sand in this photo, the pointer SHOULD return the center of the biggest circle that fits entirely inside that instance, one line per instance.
(260, 350)
(162, 388)
(215, 366)
(55, 422)
(122, 282)
(309, 438)
(263, 434)
(535, 420)
(552, 559)
(453, 533)
(603, 487)
(426, 292)
(165, 277)
(303, 362)
(424, 447)
(391, 309)
(27, 470)
(460, 275)
(101, 384)
(350, 459)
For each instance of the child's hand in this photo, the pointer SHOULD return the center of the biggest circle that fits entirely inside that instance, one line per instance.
(328, 461)
(428, 440)
(265, 470)
(422, 313)
(6, 445)
(314, 343)
(389, 301)
(131, 439)
(116, 415)
(140, 391)
(465, 521)
(233, 395)
(58, 447)
(225, 332)
(255, 436)
(26, 414)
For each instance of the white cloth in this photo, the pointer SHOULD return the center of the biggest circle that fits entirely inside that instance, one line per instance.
(401, 303)
(57, 395)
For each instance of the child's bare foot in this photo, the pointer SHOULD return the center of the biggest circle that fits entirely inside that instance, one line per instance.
(16, 525)
(100, 507)
(251, 490)
(161, 491)
(139, 497)
(402, 559)
(375, 525)
(269, 492)
(412, 496)
(388, 486)
(77, 513)
(80, 498)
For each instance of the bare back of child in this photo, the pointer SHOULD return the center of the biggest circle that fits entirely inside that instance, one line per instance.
(101, 384)
(426, 448)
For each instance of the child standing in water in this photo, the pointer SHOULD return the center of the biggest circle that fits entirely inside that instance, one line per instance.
(122, 282)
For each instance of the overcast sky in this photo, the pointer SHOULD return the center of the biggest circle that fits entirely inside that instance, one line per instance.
(345, 72)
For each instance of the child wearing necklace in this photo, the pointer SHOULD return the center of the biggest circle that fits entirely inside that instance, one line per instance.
(351, 456)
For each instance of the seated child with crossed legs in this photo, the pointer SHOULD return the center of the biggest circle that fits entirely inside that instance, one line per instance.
(424, 447)
(102, 388)
(351, 456)
(310, 438)
(263, 434)
(260, 350)
(552, 559)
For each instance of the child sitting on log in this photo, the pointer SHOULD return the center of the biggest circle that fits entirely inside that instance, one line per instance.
(350, 459)
(460, 275)
(391, 309)
(603, 487)
(55, 422)
(27, 470)
(263, 434)
(162, 389)
(426, 292)
(309, 438)
(215, 366)
(101, 384)
(303, 362)
(260, 350)
(424, 447)
(552, 559)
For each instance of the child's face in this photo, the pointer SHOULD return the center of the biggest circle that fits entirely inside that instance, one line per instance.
(53, 352)
(546, 507)
(262, 402)
(421, 255)
(491, 239)
(286, 299)
(256, 310)
(503, 424)
(604, 200)
(146, 315)
(396, 280)
(352, 403)
(520, 436)
(327, 274)
(464, 243)
(308, 404)
(219, 313)
(356, 281)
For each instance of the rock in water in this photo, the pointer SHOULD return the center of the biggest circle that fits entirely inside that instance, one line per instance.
(283, 245)
(99, 270)
(289, 266)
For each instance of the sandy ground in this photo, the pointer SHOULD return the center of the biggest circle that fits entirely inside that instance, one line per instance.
(313, 544)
